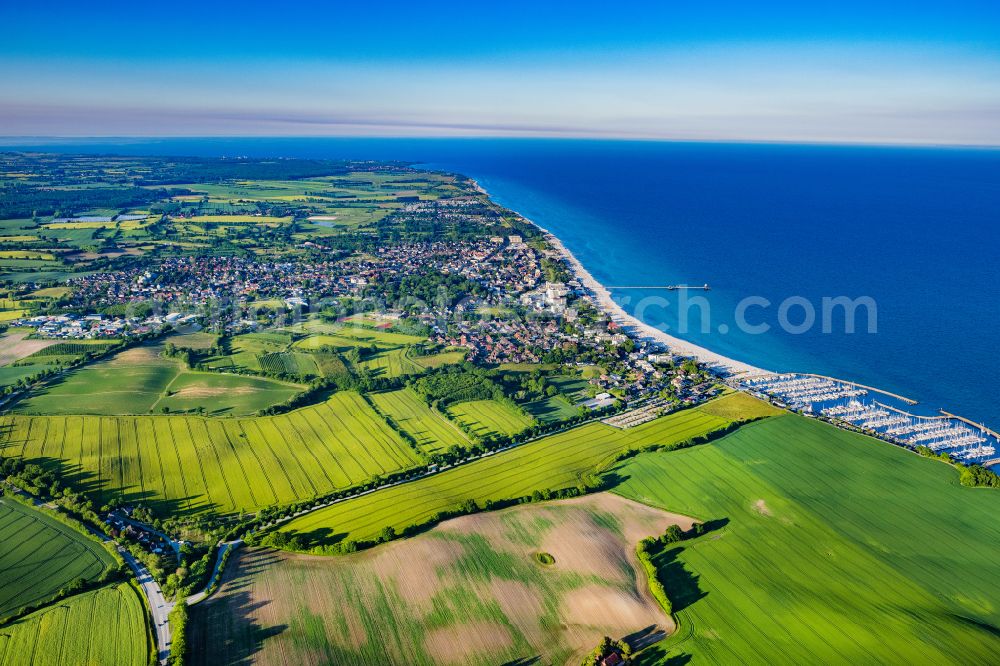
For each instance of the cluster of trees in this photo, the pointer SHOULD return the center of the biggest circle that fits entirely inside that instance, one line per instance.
(606, 648)
(644, 551)
(458, 383)
(22, 200)
(973, 476)
(647, 548)
(178, 619)
(977, 476)
(195, 567)
(928, 452)
(427, 288)
(186, 355)
(528, 385)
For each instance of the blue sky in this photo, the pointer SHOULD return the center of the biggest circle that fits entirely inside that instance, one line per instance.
(796, 71)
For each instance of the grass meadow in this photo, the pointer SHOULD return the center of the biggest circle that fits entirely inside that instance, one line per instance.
(551, 410)
(835, 548)
(141, 381)
(104, 627)
(39, 555)
(186, 464)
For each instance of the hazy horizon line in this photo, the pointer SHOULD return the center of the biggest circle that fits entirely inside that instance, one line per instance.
(889, 143)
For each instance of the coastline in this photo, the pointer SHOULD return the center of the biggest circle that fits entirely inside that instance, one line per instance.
(638, 329)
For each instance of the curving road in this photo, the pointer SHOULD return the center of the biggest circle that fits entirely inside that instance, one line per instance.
(159, 607)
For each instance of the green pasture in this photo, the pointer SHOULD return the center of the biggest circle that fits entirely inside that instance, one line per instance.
(219, 394)
(828, 547)
(551, 410)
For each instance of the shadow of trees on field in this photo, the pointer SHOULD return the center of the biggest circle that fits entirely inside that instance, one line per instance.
(321, 536)
(657, 656)
(226, 628)
(681, 584)
(645, 636)
(523, 661)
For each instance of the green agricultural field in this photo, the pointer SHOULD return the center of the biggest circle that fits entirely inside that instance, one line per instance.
(27, 254)
(297, 363)
(131, 382)
(220, 394)
(551, 410)
(52, 292)
(431, 430)
(391, 363)
(236, 219)
(39, 555)
(141, 381)
(189, 464)
(380, 337)
(105, 627)
(437, 360)
(489, 418)
(200, 340)
(739, 405)
(552, 463)
(329, 364)
(574, 388)
(257, 352)
(835, 548)
(65, 352)
(10, 374)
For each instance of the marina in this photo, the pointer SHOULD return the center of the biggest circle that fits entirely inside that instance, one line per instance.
(858, 407)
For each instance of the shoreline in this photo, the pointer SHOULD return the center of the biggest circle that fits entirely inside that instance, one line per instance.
(636, 328)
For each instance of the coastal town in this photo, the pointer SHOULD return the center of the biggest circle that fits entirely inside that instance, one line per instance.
(359, 352)
(503, 312)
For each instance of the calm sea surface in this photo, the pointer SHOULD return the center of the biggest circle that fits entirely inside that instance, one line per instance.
(915, 230)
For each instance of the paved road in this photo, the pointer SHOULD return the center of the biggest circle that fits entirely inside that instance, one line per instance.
(224, 547)
(158, 604)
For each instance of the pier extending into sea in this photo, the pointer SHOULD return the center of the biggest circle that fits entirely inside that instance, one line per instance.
(668, 287)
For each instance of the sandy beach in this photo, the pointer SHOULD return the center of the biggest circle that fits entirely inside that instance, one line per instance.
(638, 329)
(641, 330)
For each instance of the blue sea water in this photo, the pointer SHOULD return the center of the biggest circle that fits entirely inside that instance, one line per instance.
(915, 230)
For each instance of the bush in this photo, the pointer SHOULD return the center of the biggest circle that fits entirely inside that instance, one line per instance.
(545, 558)
(642, 550)
(178, 627)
